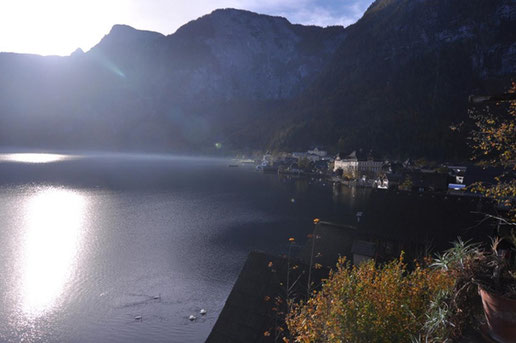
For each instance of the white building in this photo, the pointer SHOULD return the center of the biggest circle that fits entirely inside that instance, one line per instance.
(458, 172)
(358, 165)
(317, 152)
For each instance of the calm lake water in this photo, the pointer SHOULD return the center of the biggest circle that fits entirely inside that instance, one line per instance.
(90, 242)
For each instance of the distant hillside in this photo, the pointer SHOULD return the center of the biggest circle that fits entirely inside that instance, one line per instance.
(403, 75)
(394, 82)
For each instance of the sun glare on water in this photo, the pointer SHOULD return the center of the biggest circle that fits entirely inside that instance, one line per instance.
(53, 228)
(33, 158)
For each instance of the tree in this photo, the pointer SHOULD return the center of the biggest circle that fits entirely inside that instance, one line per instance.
(494, 144)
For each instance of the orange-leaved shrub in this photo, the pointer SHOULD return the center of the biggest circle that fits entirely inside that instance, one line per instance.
(369, 303)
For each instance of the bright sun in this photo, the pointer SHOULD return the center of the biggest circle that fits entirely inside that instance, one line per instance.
(57, 26)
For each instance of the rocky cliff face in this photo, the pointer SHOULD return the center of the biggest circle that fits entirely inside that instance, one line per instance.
(251, 56)
(226, 55)
(403, 75)
(394, 82)
(143, 90)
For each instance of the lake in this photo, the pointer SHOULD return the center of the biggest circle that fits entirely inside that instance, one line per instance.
(91, 243)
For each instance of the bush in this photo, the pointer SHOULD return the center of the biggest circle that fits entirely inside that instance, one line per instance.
(370, 303)
(494, 144)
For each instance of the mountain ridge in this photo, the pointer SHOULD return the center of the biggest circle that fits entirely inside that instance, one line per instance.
(429, 55)
(252, 81)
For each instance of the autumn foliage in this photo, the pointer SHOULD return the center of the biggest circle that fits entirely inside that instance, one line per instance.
(494, 144)
(369, 303)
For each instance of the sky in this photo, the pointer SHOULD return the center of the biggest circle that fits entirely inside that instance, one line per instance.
(58, 27)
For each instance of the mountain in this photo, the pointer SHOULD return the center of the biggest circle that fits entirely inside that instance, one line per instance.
(403, 75)
(394, 82)
(140, 90)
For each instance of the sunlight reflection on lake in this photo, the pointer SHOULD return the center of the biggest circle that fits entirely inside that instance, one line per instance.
(51, 246)
(90, 244)
(34, 157)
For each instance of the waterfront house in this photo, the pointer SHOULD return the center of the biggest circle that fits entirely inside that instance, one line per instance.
(358, 165)
(457, 174)
(382, 182)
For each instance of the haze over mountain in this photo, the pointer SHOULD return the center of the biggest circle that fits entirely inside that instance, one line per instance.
(393, 82)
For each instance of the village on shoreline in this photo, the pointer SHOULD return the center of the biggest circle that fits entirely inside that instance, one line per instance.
(364, 169)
